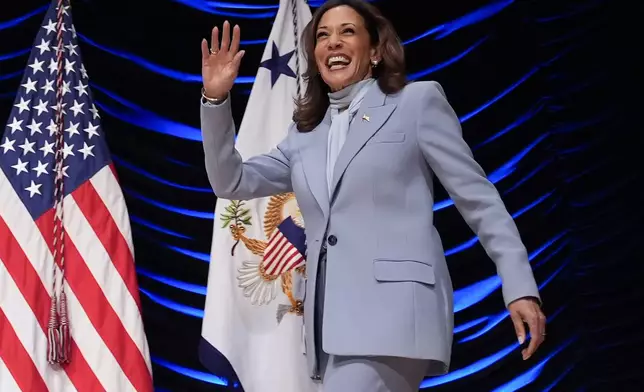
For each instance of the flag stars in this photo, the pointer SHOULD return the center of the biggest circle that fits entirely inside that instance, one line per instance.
(72, 129)
(91, 131)
(81, 88)
(52, 128)
(67, 150)
(20, 166)
(83, 71)
(44, 46)
(47, 148)
(41, 107)
(30, 85)
(27, 147)
(23, 105)
(49, 86)
(77, 108)
(69, 66)
(50, 27)
(36, 66)
(41, 168)
(33, 189)
(34, 127)
(86, 150)
(53, 67)
(15, 125)
(71, 49)
(7, 145)
(94, 112)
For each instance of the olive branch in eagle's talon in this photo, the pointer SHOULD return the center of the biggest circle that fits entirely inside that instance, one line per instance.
(236, 219)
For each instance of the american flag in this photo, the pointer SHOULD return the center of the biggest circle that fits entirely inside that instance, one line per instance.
(286, 249)
(93, 255)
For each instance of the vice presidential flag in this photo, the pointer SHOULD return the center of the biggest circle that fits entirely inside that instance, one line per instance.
(251, 314)
(70, 317)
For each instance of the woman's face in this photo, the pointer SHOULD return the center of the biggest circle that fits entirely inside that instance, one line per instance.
(343, 51)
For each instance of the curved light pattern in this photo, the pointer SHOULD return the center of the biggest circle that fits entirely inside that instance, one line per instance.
(158, 69)
(185, 286)
(152, 226)
(177, 307)
(477, 292)
(190, 253)
(14, 22)
(494, 320)
(532, 374)
(525, 117)
(202, 5)
(421, 74)
(123, 163)
(10, 76)
(152, 122)
(13, 55)
(466, 20)
(197, 375)
(167, 207)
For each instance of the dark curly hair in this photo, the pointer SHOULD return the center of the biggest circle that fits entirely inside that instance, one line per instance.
(390, 72)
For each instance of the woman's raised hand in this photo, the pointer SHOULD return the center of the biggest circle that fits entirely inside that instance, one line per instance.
(220, 63)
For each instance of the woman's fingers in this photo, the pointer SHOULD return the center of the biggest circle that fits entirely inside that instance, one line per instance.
(214, 40)
(234, 46)
(225, 37)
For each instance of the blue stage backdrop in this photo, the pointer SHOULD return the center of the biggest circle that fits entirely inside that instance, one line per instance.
(542, 89)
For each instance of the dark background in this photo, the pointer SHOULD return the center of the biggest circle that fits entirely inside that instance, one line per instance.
(555, 82)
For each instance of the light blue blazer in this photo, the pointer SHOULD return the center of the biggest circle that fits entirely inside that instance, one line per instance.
(388, 288)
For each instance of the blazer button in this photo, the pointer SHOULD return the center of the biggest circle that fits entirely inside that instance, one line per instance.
(332, 240)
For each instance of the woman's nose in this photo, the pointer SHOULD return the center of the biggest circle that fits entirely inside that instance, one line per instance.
(334, 42)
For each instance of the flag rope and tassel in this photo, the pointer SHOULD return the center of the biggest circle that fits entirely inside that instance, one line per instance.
(297, 53)
(58, 333)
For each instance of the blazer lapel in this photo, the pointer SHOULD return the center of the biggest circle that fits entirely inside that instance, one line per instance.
(314, 161)
(369, 118)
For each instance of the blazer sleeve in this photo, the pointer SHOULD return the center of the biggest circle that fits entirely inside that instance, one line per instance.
(230, 176)
(476, 198)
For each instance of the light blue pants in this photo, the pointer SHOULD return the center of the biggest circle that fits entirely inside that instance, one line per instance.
(362, 374)
(371, 374)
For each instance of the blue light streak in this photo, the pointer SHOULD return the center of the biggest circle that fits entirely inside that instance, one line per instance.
(14, 22)
(123, 163)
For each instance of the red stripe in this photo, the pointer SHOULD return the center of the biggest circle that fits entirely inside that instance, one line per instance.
(17, 360)
(99, 217)
(105, 320)
(37, 296)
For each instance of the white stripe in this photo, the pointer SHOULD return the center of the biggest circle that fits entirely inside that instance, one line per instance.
(33, 244)
(7, 383)
(29, 333)
(100, 264)
(96, 353)
(109, 191)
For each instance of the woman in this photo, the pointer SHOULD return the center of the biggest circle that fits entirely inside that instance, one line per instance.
(360, 157)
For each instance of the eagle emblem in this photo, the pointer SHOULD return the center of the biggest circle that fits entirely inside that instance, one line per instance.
(280, 260)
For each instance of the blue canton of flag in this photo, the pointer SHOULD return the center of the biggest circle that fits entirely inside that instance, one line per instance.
(27, 148)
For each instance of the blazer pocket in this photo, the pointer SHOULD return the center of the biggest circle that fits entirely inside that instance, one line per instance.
(403, 271)
(388, 137)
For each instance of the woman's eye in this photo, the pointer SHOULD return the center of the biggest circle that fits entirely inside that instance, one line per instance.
(347, 31)
(320, 35)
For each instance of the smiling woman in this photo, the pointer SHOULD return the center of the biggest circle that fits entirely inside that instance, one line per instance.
(361, 156)
(344, 44)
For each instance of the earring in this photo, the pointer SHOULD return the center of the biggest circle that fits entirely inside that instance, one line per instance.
(374, 63)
